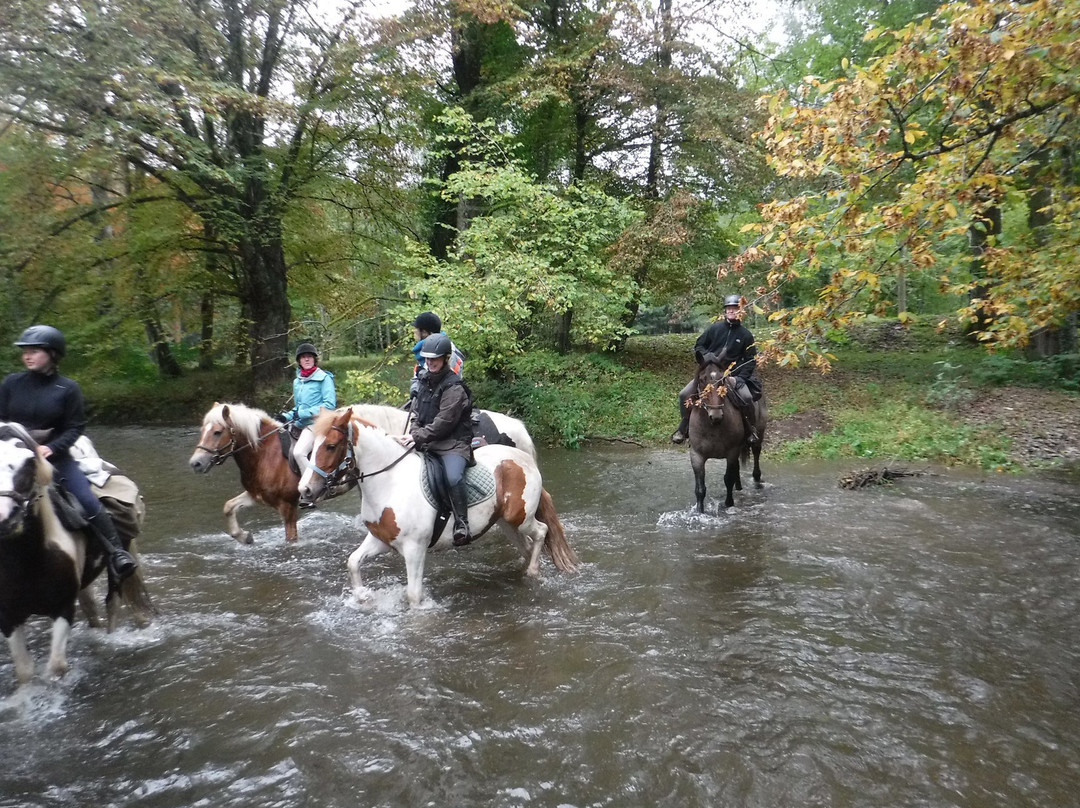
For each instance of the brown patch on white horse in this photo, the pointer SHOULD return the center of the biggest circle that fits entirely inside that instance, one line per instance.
(510, 492)
(386, 528)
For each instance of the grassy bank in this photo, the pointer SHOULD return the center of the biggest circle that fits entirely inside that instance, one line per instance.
(895, 393)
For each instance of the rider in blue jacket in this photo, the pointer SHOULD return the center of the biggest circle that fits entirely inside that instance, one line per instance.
(313, 391)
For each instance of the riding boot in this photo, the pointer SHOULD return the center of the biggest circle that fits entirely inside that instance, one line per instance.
(683, 432)
(121, 563)
(749, 418)
(459, 503)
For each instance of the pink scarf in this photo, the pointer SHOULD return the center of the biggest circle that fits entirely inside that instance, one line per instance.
(305, 373)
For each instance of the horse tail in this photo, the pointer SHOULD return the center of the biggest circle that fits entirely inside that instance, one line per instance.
(135, 595)
(744, 455)
(562, 554)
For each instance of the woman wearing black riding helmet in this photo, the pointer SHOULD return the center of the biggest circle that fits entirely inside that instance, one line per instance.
(51, 407)
(313, 391)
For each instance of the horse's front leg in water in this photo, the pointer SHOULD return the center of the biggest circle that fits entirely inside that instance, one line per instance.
(697, 463)
(369, 548)
(414, 553)
(244, 500)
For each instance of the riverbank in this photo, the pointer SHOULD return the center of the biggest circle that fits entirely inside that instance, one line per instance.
(895, 393)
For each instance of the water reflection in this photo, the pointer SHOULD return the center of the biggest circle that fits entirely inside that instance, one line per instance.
(813, 647)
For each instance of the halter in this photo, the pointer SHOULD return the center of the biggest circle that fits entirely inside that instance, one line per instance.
(348, 465)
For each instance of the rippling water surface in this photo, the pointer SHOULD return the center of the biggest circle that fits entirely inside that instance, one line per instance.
(908, 646)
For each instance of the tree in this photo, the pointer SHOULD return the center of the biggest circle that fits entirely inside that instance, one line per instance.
(232, 109)
(923, 147)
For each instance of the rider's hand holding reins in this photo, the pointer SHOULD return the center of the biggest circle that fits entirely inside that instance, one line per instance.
(405, 440)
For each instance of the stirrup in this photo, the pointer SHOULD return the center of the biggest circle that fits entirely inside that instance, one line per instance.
(461, 539)
(121, 564)
(678, 436)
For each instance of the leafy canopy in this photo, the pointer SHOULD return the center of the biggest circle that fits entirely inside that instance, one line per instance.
(966, 112)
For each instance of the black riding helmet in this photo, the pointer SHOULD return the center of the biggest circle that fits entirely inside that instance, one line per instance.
(43, 336)
(306, 347)
(732, 300)
(428, 321)
(436, 345)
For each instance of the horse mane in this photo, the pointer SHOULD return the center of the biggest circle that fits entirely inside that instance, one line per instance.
(390, 419)
(10, 429)
(246, 420)
(326, 418)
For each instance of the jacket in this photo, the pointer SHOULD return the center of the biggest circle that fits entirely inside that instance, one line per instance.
(442, 409)
(45, 401)
(736, 339)
(312, 394)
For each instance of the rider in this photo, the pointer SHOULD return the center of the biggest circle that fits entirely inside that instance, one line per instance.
(441, 425)
(732, 336)
(51, 407)
(426, 324)
(313, 389)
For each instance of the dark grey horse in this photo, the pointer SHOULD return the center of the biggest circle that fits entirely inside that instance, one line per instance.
(717, 429)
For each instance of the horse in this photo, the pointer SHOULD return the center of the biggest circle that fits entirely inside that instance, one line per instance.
(250, 437)
(717, 429)
(398, 514)
(244, 434)
(45, 565)
(394, 421)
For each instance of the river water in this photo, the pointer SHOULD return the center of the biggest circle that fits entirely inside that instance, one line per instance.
(913, 645)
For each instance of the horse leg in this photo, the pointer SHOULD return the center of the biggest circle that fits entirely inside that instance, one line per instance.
(757, 464)
(697, 463)
(289, 512)
(369, 548)
(89, 607)
(20, 656)
(244, 500)
(530, 540)
(58, 664)
(414, 554)
(731, 476)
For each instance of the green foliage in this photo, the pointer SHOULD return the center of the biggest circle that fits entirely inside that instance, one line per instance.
(899, 430)
(533, 251)
(567, 399)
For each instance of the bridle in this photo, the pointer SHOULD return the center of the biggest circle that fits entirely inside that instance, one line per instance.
(346, 470)
(223, 453)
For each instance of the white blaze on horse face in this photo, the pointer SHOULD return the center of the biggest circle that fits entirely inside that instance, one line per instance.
(16, 475)
(311, 482)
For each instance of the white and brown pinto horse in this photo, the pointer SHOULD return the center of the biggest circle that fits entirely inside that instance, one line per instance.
(44, 566)
(397, 514)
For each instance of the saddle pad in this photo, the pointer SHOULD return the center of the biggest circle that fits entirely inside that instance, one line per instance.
(479, 482)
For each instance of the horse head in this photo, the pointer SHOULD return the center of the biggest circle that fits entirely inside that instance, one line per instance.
(21, 470)
(331, 454)
(713, 371)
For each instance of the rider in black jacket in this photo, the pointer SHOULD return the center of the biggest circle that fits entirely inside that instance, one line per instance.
(51, 408)
(732, 336)
(441, 425)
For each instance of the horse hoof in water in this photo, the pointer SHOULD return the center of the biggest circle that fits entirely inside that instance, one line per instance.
(245, 538)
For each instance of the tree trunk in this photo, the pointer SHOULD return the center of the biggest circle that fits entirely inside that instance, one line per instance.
(266, 310)
(206, 331)
(979, 234)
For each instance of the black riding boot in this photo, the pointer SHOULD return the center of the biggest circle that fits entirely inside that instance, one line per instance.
(459, 503)
(749, 418)
(683, 432)
(121, 563)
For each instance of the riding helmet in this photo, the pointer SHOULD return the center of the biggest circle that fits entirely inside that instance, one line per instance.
(436, 345)
(306, 347)
(732, 300)
(43, 336)
(428, 321)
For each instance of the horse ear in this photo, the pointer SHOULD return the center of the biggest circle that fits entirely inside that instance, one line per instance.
(225, 412)
(342, 416)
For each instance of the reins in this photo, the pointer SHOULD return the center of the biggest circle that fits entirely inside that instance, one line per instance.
(349, 463)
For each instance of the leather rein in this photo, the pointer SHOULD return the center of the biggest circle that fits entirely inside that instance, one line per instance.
(223, 453)
(347, 470)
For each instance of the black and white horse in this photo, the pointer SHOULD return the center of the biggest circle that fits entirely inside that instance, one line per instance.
(45, 567)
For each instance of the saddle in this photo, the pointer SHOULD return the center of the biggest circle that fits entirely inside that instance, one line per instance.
(479, 485)
(288, 436)
(485, 433)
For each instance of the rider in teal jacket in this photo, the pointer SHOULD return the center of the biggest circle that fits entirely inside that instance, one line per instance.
(313, 391)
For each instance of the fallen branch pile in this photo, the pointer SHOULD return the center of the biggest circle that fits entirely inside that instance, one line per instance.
(883, 476)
